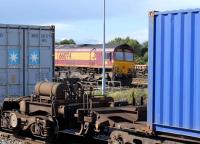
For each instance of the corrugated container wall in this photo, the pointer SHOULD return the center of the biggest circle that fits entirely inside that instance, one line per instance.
(174, 72)
(26, 57)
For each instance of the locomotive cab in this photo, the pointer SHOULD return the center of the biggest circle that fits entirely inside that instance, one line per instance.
(123, 64)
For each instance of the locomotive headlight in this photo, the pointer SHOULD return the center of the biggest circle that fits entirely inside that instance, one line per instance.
(13, 120)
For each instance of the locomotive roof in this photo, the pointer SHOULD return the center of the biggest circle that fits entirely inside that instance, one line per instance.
(83, 46)
(89, 47)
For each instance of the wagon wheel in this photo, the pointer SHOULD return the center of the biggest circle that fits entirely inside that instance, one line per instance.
(119, 137)
(78, 90)
(117, 140)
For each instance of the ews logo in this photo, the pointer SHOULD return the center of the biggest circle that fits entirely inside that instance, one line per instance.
(64, 56)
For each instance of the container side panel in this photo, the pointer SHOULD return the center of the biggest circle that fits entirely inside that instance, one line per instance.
(13, 36)
(26, 58)
(158, 68)
(33, 75)
(46, 57)
(166, 66)
(196, 100)
(182, 60)
(3, 93)
(192, 70)
(171, 64)
(176, 70)
(39, 58)
(46, 38)
(3, 83)
(10, 62)
(36, 75)
(3, 57)
(187, 71)
(151, 72)
(40, 37)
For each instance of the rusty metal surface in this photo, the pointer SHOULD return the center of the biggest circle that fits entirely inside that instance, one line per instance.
(7, 138)
(50, 109)
(121, 137)
(49, 89)
(43, 113)
(106, 118)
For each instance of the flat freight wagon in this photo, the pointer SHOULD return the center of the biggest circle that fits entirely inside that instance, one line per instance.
(173, 114)
(27, 56)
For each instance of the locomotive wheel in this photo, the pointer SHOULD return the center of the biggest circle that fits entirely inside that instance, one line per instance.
(119, 137)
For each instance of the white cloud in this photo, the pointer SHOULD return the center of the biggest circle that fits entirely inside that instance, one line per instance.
(88, 41)
(135, 22)
(62, 30)
(63, 26)
(60, 26)
(140, 35)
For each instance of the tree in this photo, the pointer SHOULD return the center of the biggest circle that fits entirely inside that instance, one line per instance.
(57, 43)
(133, 43)
(145, 57)
(144, 48)
(145, 44)
(66, 41)
(139, 60)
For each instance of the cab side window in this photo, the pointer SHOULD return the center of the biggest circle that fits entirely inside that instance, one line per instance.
(109, 56)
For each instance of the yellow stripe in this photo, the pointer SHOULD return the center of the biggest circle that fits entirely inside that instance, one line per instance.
(75, 56)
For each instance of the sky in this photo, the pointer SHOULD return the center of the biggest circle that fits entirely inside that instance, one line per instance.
(82, 20)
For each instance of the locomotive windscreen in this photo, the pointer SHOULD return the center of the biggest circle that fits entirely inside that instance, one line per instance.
(124, 52)
(128, 54)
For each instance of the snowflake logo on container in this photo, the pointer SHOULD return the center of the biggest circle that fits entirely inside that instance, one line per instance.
(13, 57)
(34, 57)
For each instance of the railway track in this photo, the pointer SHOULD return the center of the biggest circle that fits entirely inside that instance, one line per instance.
(9, 138)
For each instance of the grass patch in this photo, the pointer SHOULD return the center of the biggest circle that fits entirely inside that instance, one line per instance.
(128, 94)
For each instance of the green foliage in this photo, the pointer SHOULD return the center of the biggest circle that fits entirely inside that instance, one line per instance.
(66, 41)
(144, 48)
(141, 50)
(139, 60)
(131, 42)
(145, 57)
(128, 94)
(57, 43)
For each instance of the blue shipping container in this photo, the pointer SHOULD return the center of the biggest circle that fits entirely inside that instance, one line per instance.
(174, 72)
